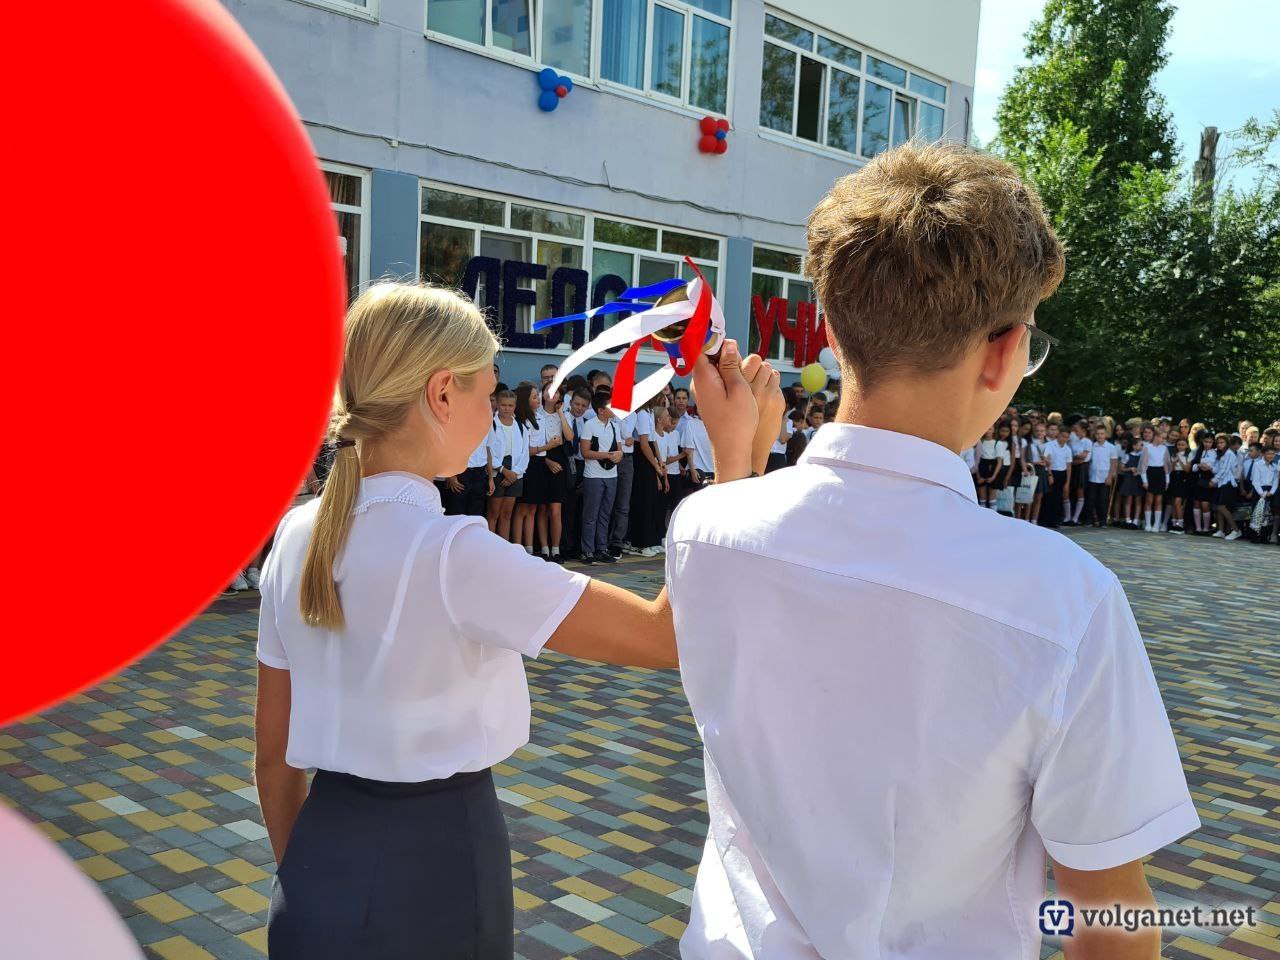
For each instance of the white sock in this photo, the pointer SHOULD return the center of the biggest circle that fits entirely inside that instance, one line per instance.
(545, 552)
(1147, 515)
(528, 550)
(555, 551)
(1075, 517)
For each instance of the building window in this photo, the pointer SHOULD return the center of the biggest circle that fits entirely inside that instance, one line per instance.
(457, 225)
(824, 90)
(778, 273)
(349, 197)
(555, 33)
(677, 50)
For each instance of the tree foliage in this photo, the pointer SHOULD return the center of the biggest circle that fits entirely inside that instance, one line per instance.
(1172, 298)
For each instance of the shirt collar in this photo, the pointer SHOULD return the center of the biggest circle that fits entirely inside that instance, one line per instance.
(888, 452)
(401, 487)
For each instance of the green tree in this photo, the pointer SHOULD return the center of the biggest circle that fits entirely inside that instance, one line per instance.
(1093, 63)
(1170, 300)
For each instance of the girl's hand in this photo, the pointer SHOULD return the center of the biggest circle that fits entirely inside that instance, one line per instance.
(490, 487)
(454, 485)
(509, 477)
(554, 467)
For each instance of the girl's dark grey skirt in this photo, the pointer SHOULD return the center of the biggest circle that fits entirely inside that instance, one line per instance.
(385, 871)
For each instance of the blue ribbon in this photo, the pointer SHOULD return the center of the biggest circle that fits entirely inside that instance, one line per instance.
(616, 306)
(659, 289)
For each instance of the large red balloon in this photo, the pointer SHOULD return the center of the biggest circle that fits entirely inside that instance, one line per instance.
(174, 305)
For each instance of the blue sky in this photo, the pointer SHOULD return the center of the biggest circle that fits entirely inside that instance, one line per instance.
(1224, 63)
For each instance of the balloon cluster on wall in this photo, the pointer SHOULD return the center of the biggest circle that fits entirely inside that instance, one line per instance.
(714, 134)
(555, 88)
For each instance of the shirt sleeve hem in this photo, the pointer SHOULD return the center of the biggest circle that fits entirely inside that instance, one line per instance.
(533, 648)
(1160, 832)
(280, 663)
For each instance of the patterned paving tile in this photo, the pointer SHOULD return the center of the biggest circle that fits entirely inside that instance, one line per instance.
(144, 780)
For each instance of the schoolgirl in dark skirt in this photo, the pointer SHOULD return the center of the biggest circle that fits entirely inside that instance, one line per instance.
(648, 524)
(1201, 488)
(406, 685)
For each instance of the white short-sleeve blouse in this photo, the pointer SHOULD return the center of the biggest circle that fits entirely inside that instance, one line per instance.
(426, 679)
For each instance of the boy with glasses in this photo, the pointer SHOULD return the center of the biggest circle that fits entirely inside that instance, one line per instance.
(888, 780)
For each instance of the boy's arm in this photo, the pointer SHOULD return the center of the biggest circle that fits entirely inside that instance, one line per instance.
(1126, 885)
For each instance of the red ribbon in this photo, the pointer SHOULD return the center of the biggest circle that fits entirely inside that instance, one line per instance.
(624, 376)
(695, 335)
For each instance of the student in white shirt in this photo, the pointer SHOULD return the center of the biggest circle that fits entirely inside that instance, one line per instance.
(533, 491)
(943, 712)
(1223, 465)
(816, 416)
(1059, 457)
(602, 451)
(1102, 465)
(386, 663)
(579, 406)
(620, 522)
(1153, 469)
(555, 455)
(468, 492)
(513, 442)
(778, 452)
(646, 526)
(671, 456)
(1036, 449)
(1265, 477)
(697, 452)
(1080, 452)
(1180, 480)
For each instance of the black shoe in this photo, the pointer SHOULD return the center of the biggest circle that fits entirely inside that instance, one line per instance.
(615, 552)
(556, 558)
(588, 560)
(604, 557)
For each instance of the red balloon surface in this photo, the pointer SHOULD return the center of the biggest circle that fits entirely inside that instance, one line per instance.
(175, 319)
(721, 145)
(707, 144)
(707, 125)
(722, 124)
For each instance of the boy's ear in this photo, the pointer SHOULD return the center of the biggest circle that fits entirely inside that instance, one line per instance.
(1003, 355)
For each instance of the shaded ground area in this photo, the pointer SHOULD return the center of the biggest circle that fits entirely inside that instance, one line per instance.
(145, 779)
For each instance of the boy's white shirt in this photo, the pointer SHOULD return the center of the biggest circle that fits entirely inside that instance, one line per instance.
(887, 781)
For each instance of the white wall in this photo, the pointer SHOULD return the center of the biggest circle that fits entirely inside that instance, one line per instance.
(938, 37)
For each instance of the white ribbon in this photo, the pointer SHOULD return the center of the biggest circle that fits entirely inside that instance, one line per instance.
(637, 327)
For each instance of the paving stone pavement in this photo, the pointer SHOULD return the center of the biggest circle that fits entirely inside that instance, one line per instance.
(144, 780)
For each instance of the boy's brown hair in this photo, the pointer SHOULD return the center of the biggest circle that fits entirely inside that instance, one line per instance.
(922, 252)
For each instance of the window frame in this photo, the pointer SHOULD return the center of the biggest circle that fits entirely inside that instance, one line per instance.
(863, 75)
(346, 7)
(594, 78)
(587, 242)
(363, 211)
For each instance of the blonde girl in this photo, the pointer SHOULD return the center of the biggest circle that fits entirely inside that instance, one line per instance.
(388, 664)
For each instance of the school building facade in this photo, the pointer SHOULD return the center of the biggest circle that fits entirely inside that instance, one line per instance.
(544, 155)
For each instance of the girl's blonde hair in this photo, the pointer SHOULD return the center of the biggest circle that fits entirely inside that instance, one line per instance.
(397, 336)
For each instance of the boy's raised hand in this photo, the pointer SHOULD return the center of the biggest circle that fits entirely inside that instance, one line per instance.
(726, 390)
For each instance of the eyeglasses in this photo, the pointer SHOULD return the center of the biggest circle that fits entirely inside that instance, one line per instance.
(1040, 344)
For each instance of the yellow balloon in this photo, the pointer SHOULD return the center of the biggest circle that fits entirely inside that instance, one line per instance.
(813, 377)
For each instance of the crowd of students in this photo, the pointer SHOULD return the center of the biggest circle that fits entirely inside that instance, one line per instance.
(566, 478)
(1152, 475)
(573, 481)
